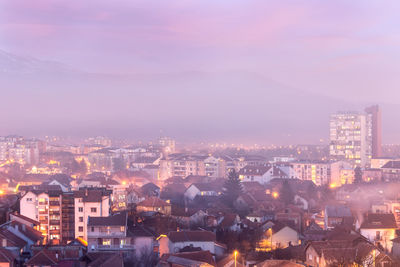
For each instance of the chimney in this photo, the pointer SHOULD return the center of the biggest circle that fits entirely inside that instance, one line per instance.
(86, 192)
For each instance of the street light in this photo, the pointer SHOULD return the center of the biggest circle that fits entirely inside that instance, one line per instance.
(235, 253)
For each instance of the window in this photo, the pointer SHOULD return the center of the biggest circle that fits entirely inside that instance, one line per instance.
(29, 199)
(80, 219)
(93, 209)
(122, 228)
(80, 209)
(106, 242)
(92, 229)
(80, 229)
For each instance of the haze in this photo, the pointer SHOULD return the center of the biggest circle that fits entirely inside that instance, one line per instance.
(265, 71)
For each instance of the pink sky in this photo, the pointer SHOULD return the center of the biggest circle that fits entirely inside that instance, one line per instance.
(346, 49)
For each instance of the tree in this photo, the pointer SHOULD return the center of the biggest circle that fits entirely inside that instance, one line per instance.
(232, 188)
(83, 167)
(358, 175)
(286, 193)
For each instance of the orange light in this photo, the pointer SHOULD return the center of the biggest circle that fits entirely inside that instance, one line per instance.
(332, 185)
(275, 195)
(123, 182)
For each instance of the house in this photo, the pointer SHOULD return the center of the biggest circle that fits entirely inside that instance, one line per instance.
(154, 204)
(262, 174)
(108, 233)
(104, 259)
(43, 258)
(12, 242)
(278, 235)
(230, 221)
(379, 228)
(335, 215)
(150, 190)
(188, 259)
(343, 253)
(90, 202)
(7, 258)
(202, 189)
(143, 239)
(173, 242)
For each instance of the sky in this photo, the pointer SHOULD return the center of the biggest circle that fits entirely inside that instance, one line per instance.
(346, 51)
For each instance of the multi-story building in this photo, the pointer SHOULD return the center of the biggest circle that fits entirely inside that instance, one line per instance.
(351, 138)
(321, 172)
(182, 165)
(95, 202)
(49, 208)
(375, 126)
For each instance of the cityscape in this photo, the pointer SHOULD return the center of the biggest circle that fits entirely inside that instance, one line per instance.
(199, 133)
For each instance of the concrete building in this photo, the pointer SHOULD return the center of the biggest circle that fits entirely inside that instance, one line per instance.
(351, 138)
(90, 202)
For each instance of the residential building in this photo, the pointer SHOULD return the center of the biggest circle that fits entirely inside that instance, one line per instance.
(90, 202)
(154, 204)
(379, 228)
(351, 138)
(261, 173)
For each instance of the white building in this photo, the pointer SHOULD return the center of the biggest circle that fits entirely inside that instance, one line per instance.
(351, 138)
(90, 202)
(173, 242)
(262, 173)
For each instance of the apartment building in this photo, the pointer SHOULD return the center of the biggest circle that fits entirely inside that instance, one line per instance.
(49, 207)
(356, 137)
(93, 202)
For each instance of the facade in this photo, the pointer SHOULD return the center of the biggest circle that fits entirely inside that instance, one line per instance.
(262, 174)
(173, 242)
(378, 228)
(375, 126)
(351, 138)
(108, 233)
(90, 202)
(47, 208)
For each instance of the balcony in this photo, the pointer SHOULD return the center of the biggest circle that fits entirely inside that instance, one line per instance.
(115, 247)
(43, 211)
(54, 232)
(55, 222)
(105, 234)
(54, 212)
(43, 202)
(54, 203)
(43, 221)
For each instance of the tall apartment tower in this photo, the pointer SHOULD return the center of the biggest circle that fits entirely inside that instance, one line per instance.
(374, 118)
(351, 138)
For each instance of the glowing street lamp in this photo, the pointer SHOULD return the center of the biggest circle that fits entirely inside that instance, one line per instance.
(235, 253)
(275, 195)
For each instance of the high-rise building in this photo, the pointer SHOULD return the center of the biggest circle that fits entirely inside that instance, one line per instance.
(374, 119)
(351, 138)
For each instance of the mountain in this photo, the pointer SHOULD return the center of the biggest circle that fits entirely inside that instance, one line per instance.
(48, 98)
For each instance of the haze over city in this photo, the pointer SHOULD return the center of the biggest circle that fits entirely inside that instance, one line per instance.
(228, 71)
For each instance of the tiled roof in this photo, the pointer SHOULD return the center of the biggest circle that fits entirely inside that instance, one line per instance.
(200, 256)
(254, 170)
(393, 164)
(114, 260)
(338, 211)
(184, 236)
(43, 258)
(6, 255)
(15, 240)
(27, 231)
(379, 221)
(26, 218)
(90, 195)
(153, 202)
(118, 219)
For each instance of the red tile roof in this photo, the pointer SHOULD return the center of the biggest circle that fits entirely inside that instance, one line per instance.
(6, 255)
(184, 236)
(153, 202)
(379, 221)
(43, 258)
